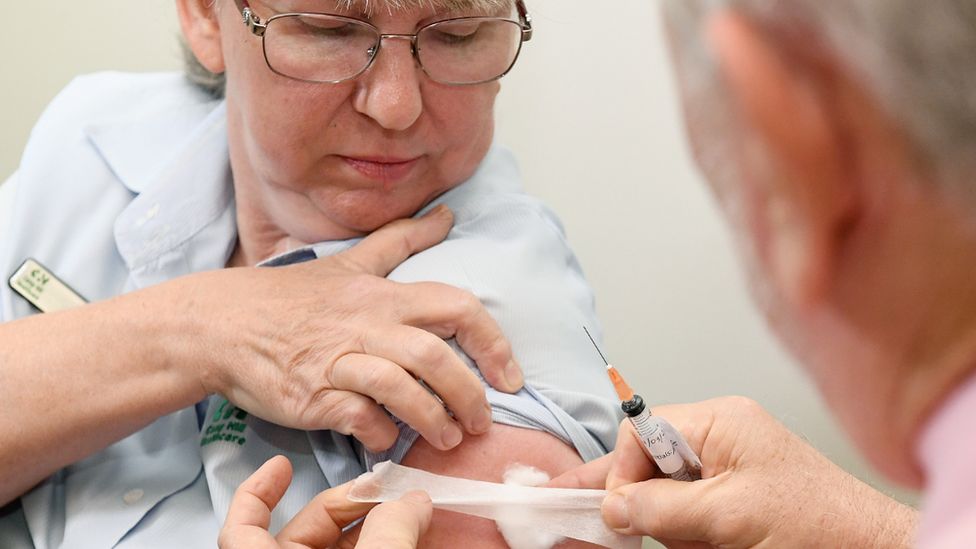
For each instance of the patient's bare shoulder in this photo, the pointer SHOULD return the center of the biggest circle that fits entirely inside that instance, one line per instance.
(486, 458)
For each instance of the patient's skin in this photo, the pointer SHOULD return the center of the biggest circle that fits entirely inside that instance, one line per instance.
(487, 457)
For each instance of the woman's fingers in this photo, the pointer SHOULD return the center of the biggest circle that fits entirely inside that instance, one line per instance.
(351, 413)
(389, 246)
(389, 384)
(397, 524)
(431, 359)
(450, 312)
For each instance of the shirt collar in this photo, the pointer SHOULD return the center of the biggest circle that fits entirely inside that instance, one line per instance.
(182, 219)
(947, 450)
(138, 148)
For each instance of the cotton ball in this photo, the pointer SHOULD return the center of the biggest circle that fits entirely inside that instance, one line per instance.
(521, 531)
(524, 475)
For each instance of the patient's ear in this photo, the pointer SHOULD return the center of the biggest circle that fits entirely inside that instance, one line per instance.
(801, 191)
(201, 28)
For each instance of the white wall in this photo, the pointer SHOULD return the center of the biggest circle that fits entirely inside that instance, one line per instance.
(591, 112)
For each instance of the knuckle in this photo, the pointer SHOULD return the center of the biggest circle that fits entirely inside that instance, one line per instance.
(364, 294)
(468, 303)
(742, 405)
(349, 261)
(426, 349)
(462, 303)
(498, 349)
(429, 411)
(643, 518)
(734, 525)
(358, 416)
(359, 286)
(404, 243)
(395, 236)
(380, 381)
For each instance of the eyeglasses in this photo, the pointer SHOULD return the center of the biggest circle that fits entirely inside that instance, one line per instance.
(329, 49)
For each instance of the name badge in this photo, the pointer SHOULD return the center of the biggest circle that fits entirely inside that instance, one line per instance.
(42, 289)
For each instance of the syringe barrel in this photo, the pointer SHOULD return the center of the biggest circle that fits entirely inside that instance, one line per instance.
(663, 449)
(687, 473)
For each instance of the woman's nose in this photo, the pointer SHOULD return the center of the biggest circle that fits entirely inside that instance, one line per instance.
(389, 92)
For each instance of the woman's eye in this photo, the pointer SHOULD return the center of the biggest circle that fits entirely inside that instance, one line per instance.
(329, 28)
(457, 35)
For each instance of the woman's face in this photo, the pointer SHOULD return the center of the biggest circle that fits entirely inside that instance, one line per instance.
(329, 161)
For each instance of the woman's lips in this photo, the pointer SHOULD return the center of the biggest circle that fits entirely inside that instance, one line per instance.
(387, 170)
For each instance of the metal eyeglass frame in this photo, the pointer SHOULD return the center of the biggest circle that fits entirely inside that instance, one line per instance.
(258, 28)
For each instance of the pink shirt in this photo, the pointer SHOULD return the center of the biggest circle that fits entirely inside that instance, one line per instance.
(947, 453)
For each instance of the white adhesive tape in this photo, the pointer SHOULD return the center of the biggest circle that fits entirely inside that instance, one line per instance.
(561, 512)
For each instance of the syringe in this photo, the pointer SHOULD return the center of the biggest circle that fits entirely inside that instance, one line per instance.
(659, 439)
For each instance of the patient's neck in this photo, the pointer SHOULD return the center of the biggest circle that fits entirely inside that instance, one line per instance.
(258, 239)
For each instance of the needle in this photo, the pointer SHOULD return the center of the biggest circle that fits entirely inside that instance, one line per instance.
(623, 389)
(593, 341)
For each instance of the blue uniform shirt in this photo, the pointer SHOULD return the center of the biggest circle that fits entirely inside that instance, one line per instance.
(125, 183)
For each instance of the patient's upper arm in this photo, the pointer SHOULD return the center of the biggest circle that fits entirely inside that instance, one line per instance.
(486, 458)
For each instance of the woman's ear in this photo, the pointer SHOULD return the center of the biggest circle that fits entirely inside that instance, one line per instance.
(201, 28)
(806, 198)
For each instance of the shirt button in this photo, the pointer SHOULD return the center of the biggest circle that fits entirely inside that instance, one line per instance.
(133, 496)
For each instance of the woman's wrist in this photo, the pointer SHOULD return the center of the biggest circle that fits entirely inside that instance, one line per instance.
(169, 338)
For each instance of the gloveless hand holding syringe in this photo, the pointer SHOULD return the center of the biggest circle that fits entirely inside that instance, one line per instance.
(659, 439)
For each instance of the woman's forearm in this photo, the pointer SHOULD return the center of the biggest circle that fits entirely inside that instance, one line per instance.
(74, 382)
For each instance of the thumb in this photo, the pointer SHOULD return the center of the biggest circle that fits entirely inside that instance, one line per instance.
(397, 524)
(389, 246)
(662, 509)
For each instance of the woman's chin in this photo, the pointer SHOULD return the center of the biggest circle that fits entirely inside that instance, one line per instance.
(343, 227)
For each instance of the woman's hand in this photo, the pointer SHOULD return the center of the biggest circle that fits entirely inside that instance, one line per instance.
(311, 346)
(393, 525)
(763, 487)
(323, 344)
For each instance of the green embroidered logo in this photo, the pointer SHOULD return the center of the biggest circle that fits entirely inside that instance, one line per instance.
(226, 425)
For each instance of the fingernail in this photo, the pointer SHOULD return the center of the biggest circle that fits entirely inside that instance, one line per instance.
(439, 211)
(615, 512)
(513, 376)
(482, 423)
(417, 497)
(451, 436)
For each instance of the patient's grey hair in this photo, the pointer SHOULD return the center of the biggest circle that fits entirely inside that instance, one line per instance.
(918, 58)
(214, 84)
